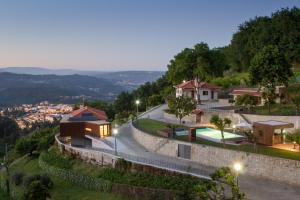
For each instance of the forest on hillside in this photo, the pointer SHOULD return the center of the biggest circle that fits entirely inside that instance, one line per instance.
(227, 66)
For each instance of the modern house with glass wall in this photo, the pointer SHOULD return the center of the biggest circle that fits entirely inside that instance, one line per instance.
(86, 121)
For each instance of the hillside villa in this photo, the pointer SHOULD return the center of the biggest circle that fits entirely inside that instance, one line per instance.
(258, 93)
(200, 91)
(84, 122)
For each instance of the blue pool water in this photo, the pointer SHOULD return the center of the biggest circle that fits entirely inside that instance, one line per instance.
(211, 134)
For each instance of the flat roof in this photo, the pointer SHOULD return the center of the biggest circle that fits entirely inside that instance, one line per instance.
(275, 123)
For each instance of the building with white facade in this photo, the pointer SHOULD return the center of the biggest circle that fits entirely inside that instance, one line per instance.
(200, 91)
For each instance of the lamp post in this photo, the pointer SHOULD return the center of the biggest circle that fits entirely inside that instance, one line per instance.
(137, 102)
(237, 168)
(234, 127)
(115, 133)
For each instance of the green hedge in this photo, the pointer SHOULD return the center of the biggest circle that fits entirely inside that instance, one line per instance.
(87, 182)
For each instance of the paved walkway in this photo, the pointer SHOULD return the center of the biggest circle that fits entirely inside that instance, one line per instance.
(254, 187)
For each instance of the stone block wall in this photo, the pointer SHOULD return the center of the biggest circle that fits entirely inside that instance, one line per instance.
(273, 168)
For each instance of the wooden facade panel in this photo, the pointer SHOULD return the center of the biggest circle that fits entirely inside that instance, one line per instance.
(79, 129)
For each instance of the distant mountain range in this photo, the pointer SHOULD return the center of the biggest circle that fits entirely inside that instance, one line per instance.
(66, 86)
(129, 80)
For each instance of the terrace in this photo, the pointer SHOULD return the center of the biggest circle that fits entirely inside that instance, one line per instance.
(283, 151)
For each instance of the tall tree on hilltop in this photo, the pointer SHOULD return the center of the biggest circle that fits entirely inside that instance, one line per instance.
(269, 68)
(200, 62)
(294, 95)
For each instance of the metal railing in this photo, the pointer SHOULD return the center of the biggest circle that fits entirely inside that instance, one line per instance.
(165, 163)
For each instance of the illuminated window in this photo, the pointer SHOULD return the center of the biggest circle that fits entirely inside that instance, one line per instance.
(88, 129)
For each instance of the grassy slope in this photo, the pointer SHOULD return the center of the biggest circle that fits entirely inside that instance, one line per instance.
(148, 124)
(277, 109)
(152, 126)
(3, 196)
(62, 189)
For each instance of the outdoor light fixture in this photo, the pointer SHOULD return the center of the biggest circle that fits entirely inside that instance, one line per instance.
(115, 133)
(233, 126)
(137, 102)
(237, 167)
(294, 144)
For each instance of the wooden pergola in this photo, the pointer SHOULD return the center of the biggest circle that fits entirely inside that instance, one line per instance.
(265, 132)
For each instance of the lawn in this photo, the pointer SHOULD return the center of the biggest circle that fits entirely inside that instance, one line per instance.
(276, 109)
(62, 189)
(152, 126)
(148, 124)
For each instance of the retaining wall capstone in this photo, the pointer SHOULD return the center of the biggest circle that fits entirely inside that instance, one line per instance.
(273, 168)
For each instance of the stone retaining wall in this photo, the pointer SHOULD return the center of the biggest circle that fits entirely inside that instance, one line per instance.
(89, 155)
(277, 169)
(235, 118)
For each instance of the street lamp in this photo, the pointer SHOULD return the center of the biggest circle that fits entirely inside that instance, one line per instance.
(234, 127)
(137, 102)
(115, 133)
(237, 168)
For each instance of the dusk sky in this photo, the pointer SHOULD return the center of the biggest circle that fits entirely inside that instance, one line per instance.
(117, 34)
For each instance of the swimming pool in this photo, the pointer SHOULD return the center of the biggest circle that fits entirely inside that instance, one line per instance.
(212, 134)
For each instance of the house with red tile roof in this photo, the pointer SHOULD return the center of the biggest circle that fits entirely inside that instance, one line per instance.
(258, 93)
(200, 91)
(83, 124)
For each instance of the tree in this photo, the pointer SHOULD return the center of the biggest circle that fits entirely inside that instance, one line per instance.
(223, 178)
(200, 62)
(246, 100)
(9, 132)
(268, 69)
(220, 124)
(293, 92)
(294, 137)
(182, 106)
(124, 103)
(281, 28)
(36, 191)
(26, 145)
(155, 99)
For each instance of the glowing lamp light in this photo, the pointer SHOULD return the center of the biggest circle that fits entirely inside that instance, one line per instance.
(237, 167)
(233, 126)
(137, 102)
(115, 131)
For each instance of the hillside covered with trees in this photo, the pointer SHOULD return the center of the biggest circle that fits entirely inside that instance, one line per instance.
(227, 66)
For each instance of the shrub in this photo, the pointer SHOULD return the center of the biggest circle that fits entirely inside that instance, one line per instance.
(17, 178)
(57, 160)
(123, 165)
(44, 179)
(26, 145)
(36, 191)
(87, 182)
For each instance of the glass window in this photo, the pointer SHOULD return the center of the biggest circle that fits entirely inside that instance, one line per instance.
(205, 93)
